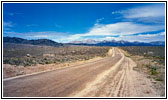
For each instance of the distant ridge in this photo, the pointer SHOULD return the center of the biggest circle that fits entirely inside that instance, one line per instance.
(45, 42)
(117, 43)
(89, 42)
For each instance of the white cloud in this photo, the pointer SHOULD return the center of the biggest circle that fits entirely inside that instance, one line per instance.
(12, 14)
(162, 33)
(71, 38)
(32, 25)
(58, 26)
(98, 20)
(147, 11)
(8, 24)
(124, 30)
(108, 38)
(154, 10)
(130, 38)
(140, 38)
(121, 28)
(38, 35)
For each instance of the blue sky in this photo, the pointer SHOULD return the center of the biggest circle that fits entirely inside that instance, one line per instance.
(66, 22)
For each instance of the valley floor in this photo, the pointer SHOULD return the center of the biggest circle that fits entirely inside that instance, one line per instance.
(108, 77)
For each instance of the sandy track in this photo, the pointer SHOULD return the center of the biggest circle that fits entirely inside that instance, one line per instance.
(111, 77)
(120, 81)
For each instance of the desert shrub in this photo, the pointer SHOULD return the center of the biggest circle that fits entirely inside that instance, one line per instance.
(156, 52)
(148, 65)
(6, 61)
(154, 70)
(19, 54)
(14, 61)
(159, 79)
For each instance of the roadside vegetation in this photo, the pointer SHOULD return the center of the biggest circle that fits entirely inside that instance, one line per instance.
(157, 53)
(28, 55)
(150, 61)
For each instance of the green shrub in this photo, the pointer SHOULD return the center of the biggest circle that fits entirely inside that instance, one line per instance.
(154, 70)
(158, 79)
(147, 65)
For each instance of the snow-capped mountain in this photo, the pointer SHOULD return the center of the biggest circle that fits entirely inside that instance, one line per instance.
(117, 43)
(88, 41)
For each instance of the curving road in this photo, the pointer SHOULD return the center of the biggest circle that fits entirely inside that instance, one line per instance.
(112, 76)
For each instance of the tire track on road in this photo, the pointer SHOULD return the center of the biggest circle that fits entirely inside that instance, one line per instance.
(120, 81)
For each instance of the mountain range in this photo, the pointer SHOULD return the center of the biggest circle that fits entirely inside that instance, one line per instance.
(44, 42)
(88, 42)
(117, 43)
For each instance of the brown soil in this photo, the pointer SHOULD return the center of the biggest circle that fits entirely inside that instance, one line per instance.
(110, 77)
(12, 70)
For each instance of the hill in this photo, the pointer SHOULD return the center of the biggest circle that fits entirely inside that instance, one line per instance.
(42, 42)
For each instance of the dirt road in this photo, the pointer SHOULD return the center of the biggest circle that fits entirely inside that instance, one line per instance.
(110, 77)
